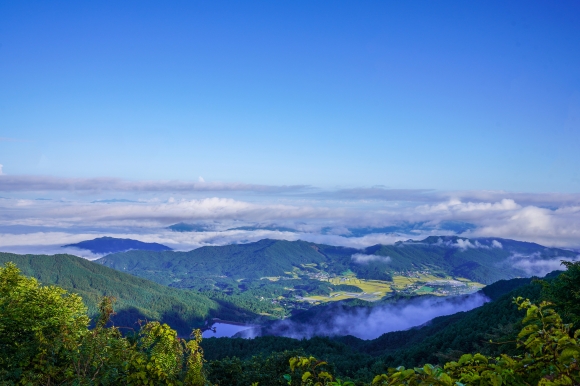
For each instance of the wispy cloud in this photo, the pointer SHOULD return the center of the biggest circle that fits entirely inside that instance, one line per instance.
(534, 265)
(382, 194)
(464, 244)
(431, 196)
(361, 258)
(45, 183)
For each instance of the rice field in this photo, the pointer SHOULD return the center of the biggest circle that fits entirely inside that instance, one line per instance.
(374, 290)
(400, 282)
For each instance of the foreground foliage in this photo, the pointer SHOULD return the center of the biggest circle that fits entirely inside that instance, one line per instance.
(551, 358)
(565, 292)
(45, 340)
(136, 298)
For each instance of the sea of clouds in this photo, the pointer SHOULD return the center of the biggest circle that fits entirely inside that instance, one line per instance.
(372, 322)
(39, 214)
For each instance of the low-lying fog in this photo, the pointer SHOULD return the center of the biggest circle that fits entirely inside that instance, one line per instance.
(371, 322)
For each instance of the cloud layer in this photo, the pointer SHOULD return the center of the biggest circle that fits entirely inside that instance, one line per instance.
(370, 323)
(46, 183)
(361, 258)
(533, 265)
(237, 212)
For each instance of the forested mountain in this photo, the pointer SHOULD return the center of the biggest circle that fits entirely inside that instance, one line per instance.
(103, 245)
(237, 261)
(137, 298)
(481, 260)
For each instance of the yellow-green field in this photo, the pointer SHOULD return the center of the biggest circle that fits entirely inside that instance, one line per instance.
(474, 284)
(375, 289)
(372, 286)
(400, 282)
(372, 290)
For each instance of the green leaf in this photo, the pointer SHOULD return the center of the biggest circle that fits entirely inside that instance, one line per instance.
(480, 358)
(465, 358)
(570, 353)
(445, 379)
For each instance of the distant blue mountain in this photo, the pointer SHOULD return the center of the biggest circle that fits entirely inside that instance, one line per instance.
(265, 228)
(184, 227)
(457, 227)
(114, 245)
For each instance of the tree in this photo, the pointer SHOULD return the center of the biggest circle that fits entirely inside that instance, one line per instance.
(39, 326)
(45, 340)
(564, 292)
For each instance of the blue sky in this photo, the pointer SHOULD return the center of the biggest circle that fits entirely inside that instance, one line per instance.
(348, 123)
(442, 95)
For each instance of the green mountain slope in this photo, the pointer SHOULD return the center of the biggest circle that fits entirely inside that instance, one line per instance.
(136, 298)
(236, 261)
(484, 260)
(480, 260)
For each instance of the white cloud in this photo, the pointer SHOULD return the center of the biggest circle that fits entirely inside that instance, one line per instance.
(46, 183)
(466, 244)
(1, 172)
(360, 258)
(534, 265)
(370, 323)
(558, 225)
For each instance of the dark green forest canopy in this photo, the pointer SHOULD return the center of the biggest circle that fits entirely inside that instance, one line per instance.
(136, 298)
(484, 260)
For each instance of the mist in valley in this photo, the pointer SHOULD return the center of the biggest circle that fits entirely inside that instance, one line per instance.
(340, 319)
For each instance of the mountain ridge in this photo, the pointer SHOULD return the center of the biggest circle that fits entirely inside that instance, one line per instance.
(136, 298)
(483, 260)
(106, 244)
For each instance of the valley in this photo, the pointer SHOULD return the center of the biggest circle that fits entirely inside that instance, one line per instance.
(275, 279)
(270, 280)
(313, 300)
(349, 286)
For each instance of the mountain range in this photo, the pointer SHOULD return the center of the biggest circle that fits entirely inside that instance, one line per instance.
(104, 245)
(483, 260)
(272, 279)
